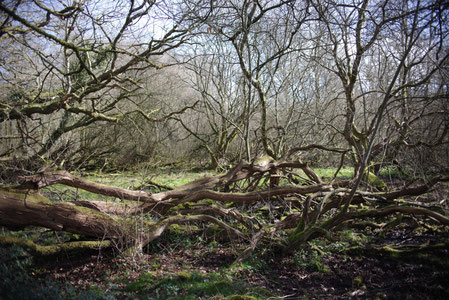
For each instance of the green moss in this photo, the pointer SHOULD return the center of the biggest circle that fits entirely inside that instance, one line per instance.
(376, 182)
(207, 202)
(357, 281)
(184, 275)
(28, 196)
(131, 251)
(53, 249)
(354, 238)
(392, 172)
(265, 293)
(182, 206)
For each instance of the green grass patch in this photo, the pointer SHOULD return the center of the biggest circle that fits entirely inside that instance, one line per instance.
(392, 172)
(185, 285)
(345, 172)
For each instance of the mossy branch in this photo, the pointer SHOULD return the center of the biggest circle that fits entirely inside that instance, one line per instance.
(56, 248)
(402, 251)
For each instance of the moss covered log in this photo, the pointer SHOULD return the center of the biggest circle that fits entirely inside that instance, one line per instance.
(23, 208)
(49, 250)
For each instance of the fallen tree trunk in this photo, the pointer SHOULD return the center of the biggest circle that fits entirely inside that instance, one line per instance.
(19, 209)
(40, 181)
(23, 205)
(242, 171)
(23, 208)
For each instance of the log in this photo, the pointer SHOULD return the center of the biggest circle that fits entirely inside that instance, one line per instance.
(23, 208)
(51, 250)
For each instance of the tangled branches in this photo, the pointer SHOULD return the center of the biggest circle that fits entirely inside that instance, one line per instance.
(303, 207)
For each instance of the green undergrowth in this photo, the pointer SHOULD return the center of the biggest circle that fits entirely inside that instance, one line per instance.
(191, 285)
(387, 172)
(169, 275)
(190, 237)
(345, 172)
(392, 172)
(311, 255)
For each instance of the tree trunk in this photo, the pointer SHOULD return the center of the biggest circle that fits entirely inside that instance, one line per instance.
(23, 208)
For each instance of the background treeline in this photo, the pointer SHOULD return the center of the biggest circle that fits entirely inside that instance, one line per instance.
(89, 85)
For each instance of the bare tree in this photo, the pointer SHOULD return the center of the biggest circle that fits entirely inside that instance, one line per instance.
(362, 35)
(83, 62)
(226, 101)
(262, 33)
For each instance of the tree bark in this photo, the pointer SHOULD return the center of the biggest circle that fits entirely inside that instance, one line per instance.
(20, 208)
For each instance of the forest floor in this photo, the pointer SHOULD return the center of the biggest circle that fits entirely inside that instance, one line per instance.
(189, 262)
(204, 271)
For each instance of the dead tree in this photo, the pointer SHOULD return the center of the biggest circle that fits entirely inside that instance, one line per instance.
(202, 200)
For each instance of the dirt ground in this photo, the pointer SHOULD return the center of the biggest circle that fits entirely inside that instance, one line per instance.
(346, 276)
